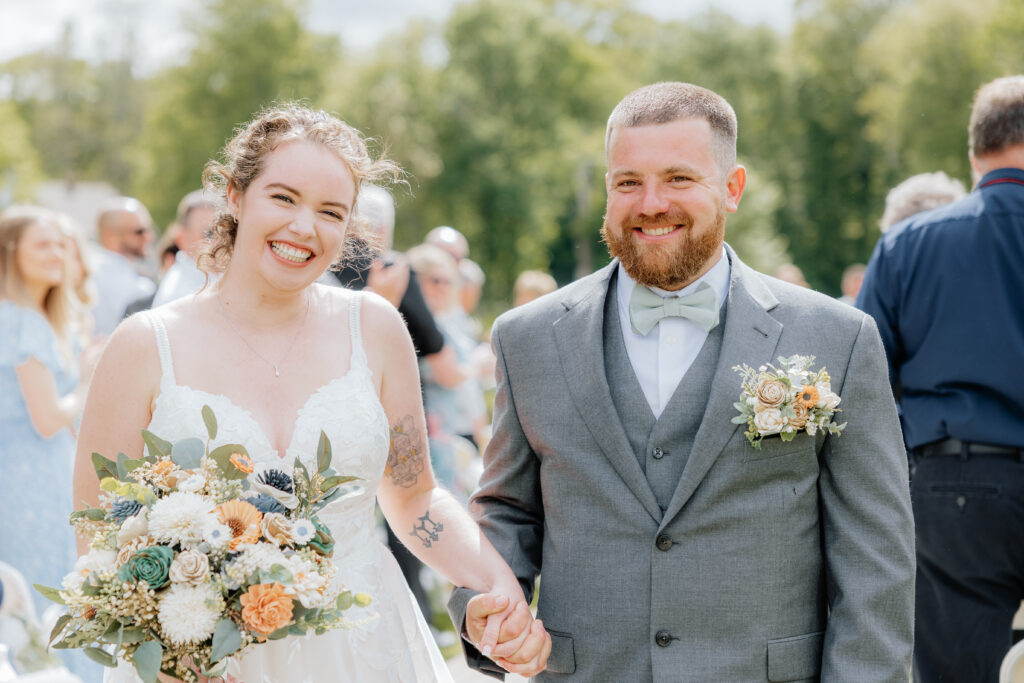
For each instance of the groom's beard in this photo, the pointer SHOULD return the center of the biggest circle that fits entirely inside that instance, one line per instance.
(672, 264)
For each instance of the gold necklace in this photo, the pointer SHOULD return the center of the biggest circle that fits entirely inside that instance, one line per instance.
(276, 366)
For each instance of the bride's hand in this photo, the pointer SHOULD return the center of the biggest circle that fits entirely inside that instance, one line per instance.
(509, 636)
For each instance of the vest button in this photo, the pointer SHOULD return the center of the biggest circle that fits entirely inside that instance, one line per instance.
(658, 453)
(664, 542)
(663, 638)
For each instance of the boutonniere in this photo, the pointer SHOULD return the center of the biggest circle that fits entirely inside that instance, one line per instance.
(785, 400)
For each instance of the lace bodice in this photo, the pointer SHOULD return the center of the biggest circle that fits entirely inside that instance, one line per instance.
(346, 408)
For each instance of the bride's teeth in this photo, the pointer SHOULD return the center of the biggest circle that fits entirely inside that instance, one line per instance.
(290, 253)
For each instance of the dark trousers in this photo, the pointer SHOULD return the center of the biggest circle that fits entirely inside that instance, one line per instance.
(969, 515)
(410, 567)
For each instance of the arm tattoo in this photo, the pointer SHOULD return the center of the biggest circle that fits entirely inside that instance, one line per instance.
(407, 453)
(427, 530)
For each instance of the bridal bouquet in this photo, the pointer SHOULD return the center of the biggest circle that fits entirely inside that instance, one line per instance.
(785, 400)
(198, 555)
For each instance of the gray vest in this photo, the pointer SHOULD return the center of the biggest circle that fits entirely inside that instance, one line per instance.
(661, 446)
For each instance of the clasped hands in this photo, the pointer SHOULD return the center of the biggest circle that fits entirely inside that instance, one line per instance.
(507, 633)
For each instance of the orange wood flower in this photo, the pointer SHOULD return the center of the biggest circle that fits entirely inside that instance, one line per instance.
(242, 462)
(807, 396)
(243, 519)
(266, 608)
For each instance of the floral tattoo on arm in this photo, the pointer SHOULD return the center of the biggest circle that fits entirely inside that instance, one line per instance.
(407, 453)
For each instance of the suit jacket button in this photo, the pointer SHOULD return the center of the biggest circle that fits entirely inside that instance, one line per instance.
(664, 542)
(658, 453)
(663, 638)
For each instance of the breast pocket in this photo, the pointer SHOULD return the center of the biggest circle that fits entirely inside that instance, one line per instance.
(795, 659)
(775, 447)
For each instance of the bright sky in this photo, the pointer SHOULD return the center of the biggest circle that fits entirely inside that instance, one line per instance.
(28, 25)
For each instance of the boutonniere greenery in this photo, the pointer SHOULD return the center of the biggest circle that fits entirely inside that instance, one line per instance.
(786, 399)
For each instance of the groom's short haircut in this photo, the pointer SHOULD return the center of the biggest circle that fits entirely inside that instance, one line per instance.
(670, 101)
(997, 117)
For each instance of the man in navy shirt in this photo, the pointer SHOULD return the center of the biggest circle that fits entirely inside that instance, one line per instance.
(945, 287)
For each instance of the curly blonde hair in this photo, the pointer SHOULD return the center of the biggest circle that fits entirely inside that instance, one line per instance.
(244, 157)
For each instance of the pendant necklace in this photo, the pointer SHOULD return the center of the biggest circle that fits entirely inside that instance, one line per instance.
(276, 366)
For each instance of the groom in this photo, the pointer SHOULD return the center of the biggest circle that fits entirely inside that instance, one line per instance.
(671, 549)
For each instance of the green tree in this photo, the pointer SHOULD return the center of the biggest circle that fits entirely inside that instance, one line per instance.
(831, 203)
(245, 57)
(19, 163)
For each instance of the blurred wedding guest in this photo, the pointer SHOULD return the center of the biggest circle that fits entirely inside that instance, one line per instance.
(42, 390)
(125, 232)
(166, 248)
(944, 287)
(791, 273)
(80, 283)
(196, 213)
(530, 285)
(457, 410)
(919, 193)
(471, 288)
(449, 239)
(853, 276)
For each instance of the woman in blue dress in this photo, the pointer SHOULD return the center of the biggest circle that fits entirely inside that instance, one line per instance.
(40, 398)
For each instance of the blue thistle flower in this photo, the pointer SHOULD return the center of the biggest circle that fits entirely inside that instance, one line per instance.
(265, 504)
(277, 479)
(123, 508)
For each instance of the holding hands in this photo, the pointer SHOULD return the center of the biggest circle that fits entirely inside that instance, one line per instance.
(507, 633)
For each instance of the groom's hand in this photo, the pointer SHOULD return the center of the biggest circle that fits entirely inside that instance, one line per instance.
(510, 637)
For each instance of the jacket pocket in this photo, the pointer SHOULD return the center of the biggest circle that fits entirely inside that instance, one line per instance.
(795, 659)
(563, 655)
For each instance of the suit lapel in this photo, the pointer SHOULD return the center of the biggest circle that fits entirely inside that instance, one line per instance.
(751, 336)
(578, 334)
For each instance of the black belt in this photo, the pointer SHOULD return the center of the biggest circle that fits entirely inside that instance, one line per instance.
(966, 449)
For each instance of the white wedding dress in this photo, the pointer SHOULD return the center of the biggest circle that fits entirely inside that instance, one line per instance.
(394, 647)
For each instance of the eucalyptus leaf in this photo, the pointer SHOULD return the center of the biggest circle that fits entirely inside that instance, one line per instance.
(345, 600)
(210, 420)
(134, 463)
(105, 467)
(92, 514)
(216, 671)
(188, 453)
(101, 656)
(158, 448)
(278, 634)
(297, 630)
(222, 456)
(122, 467)
(147, 660)
(276, 574)
(323, 453)
(226, 640)
(132, 635)
(331, 482)
(59, 626)
(740, 419)
(51, 594)
(89, 589)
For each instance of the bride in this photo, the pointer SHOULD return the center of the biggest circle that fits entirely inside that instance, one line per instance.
(278, 358)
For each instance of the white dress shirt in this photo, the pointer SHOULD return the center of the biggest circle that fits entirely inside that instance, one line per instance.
(118, 283)
(182, 279)
(661, 358)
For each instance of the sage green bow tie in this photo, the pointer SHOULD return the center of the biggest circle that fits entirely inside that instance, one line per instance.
(647, 308)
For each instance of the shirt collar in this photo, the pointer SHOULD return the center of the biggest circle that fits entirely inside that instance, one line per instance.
(717, 277)
(1010, 173)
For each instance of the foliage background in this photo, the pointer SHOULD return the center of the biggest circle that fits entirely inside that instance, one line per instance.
(498, 114)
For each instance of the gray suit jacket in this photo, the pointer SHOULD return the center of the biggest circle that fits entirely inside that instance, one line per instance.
(793, 563)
